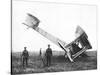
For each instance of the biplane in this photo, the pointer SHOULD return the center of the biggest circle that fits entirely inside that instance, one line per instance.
(72, 50)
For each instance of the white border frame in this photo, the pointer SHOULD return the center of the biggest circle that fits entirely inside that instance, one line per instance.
(5, 31)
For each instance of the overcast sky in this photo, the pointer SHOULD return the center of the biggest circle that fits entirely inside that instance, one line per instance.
(57, 19)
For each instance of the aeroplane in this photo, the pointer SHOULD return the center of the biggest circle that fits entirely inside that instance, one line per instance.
(72, 50)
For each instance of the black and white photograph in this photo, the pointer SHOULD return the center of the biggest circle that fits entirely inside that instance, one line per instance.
(53, 37)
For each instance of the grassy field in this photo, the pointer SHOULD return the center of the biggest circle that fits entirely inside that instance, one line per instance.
(59, 63)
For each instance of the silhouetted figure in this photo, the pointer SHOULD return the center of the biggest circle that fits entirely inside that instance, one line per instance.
(25, 56)
(40, 52)
(48, 55)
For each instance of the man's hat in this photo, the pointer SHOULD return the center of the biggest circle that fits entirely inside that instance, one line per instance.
(25, 47)
(48, 44)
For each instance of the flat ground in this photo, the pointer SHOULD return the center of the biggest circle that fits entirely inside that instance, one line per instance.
(59, 63)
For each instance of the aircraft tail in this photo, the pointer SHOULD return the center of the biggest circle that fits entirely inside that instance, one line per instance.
(32, 21)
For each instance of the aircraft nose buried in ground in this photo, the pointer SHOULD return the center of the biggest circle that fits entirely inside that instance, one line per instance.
(72, 50)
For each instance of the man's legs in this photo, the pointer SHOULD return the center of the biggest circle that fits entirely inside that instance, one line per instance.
(26, 61)
(47, 61)
(23, 62)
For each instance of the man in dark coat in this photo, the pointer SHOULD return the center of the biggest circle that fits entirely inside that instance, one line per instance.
(25, 56)
(40, 52)
(48, 55)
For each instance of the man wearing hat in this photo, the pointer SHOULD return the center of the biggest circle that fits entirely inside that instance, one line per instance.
(48, 55)
(25, 56)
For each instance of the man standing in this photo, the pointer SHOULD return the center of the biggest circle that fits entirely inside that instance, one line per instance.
(48, 55)
(25, 56)
(40, 52)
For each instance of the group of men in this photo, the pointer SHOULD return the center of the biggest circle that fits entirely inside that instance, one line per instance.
(25, 56)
